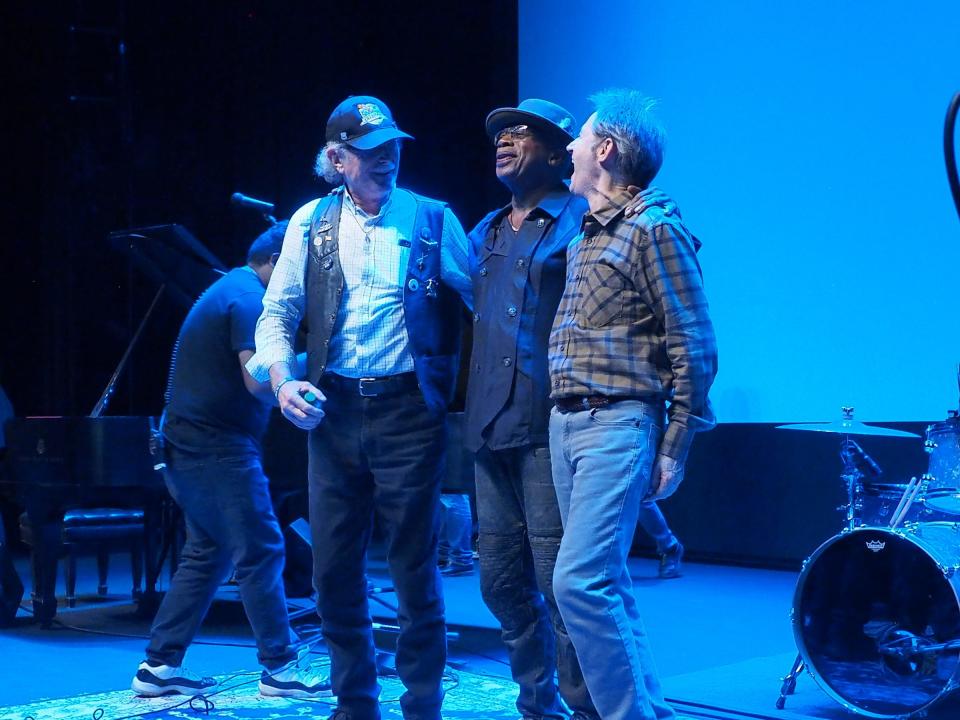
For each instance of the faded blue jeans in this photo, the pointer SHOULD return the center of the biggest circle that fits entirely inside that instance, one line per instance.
(602, 460)
(655, 525)
(520, 533)
(225, 499)
(456, 529)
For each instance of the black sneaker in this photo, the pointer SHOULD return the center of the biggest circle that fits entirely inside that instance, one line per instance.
(670, 561)
(157, 680)
(298, 679)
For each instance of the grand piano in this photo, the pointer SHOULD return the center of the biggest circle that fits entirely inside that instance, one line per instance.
(56, 463)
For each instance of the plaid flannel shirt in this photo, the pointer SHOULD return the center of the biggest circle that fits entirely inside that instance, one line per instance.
(633, 320)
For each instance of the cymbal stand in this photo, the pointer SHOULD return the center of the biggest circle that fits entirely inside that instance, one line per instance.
(852, 479)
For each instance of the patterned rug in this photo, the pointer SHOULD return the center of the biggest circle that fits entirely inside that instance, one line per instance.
(469, 697)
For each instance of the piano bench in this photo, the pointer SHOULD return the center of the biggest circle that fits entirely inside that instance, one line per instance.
(99, 529)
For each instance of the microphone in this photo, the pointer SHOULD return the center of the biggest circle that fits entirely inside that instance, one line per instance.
(241, 200)
(863, 462)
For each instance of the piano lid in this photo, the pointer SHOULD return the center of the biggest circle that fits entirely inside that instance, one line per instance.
(170, 255)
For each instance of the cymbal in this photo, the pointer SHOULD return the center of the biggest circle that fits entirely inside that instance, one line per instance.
(848, 427)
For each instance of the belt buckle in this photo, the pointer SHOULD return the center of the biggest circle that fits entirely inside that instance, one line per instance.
(361, 386)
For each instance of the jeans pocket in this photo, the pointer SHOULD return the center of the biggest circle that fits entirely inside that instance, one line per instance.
(619, 414)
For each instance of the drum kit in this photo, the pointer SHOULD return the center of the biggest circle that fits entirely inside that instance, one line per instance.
(876, 611)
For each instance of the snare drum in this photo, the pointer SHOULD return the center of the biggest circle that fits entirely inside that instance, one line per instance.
(873, 611)
(943, 444)
(879, 501)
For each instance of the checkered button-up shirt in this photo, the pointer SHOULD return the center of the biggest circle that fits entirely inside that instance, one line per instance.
(372, 338)
(633, 320)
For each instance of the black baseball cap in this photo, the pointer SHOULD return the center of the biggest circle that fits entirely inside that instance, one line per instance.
(363, 122)
(541, 114)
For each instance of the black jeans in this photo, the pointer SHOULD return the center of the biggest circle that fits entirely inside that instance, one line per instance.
(229, 520)
(520, 533)
(382, 455)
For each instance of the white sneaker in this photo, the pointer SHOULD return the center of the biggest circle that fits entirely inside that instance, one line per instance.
(299, 679)
(156, 680)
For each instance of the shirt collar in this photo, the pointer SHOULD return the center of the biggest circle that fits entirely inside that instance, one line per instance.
(552, 204)
(612, 207)
(360, 212)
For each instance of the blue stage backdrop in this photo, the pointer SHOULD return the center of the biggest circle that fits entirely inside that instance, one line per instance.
(805, 150)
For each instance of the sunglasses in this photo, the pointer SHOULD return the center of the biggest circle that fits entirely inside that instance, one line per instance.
(517, 132)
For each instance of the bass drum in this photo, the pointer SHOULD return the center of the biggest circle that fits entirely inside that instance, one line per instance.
(871, 607)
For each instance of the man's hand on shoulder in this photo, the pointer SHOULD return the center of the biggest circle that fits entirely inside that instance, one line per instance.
(666, 477)
(644, 199)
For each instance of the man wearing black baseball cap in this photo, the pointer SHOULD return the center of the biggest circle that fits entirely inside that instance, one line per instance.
(376, 271)
(518, 266)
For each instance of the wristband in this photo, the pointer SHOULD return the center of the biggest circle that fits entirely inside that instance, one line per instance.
(276, 390)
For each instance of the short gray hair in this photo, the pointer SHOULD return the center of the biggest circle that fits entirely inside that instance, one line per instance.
(324, 167)
(626, 117)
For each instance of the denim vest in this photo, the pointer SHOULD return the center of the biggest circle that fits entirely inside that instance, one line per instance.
(431, 309)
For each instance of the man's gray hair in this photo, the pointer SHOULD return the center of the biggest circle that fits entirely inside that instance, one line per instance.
(324, 167)
(626, 116)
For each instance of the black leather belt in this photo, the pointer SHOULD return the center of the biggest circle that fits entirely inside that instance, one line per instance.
(589, 402)
(584, 402)
(371, 386)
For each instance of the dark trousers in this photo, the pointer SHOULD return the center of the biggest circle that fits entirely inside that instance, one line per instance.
(230, 523)
(381, 455)
(520, 533)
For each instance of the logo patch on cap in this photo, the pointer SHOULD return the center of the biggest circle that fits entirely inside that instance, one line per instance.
(371, 114)
(565, 123)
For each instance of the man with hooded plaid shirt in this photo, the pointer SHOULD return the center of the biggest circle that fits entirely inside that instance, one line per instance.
(632, 335)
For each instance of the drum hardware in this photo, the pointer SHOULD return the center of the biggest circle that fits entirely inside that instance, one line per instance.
(856, 466)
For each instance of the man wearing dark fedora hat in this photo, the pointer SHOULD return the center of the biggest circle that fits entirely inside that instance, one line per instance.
(518, 266)
(376, 271)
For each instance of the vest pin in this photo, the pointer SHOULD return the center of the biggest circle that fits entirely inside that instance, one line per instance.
(541, 222)
(413, 284)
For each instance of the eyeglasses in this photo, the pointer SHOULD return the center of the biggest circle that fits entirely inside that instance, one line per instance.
(518, 132)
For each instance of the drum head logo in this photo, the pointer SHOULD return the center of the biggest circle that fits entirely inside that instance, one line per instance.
(875, 545)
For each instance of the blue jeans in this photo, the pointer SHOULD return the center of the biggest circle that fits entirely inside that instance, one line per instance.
(602, 460)
(520, 531)
(456, 536)
(655, 525)
(380, 456)
(230, 523)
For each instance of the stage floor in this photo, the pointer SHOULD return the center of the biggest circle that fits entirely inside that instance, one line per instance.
(721, 637)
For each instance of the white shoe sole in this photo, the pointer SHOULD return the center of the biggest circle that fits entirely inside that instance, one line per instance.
(145, 689)
(271, 691)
